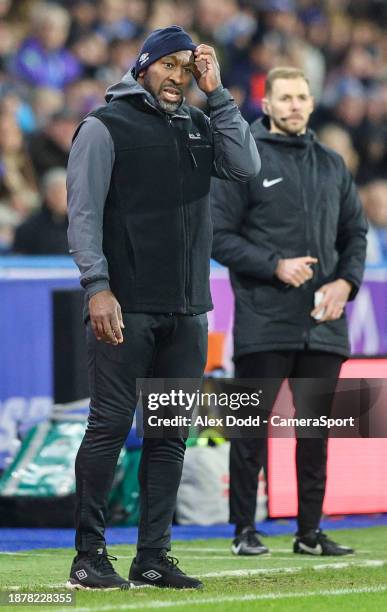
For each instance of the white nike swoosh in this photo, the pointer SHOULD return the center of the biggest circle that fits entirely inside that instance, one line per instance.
(235, 548)
(316, 550)
(267, 183)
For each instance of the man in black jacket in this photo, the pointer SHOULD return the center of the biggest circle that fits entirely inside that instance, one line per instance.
(140, 232)
(294, 231)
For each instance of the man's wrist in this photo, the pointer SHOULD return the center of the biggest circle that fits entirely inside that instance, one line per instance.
(96, 287)
(278, 266)
(218, 97)
(348, 285)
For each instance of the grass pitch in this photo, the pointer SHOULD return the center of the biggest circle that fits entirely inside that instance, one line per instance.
(281, 581)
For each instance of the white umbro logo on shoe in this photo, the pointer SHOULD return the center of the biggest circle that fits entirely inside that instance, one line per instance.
(81, 574)
(151, 575)
(267, 183)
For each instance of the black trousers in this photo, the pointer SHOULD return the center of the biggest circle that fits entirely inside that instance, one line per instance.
(246, 454)
(159, 346)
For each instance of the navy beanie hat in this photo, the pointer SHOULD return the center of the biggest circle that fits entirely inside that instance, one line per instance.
(162, 42)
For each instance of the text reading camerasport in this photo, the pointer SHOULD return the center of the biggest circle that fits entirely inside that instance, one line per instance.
(250, 421)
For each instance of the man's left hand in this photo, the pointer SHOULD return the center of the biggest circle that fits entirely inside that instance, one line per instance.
(207, 71)
(332, 305)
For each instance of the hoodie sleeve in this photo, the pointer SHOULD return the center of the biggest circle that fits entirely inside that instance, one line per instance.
(88, 178)
(236, 156)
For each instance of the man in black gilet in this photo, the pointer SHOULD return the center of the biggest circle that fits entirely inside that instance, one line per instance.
(140, 232)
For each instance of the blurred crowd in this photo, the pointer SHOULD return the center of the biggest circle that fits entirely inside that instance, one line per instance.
(58, 58)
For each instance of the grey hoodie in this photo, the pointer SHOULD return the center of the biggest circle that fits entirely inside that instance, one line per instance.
(91, 163)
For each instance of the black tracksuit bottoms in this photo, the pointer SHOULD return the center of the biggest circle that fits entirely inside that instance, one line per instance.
(247, 454)
(158, 346)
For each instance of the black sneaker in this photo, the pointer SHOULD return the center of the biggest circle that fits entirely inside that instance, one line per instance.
(248, 543)
(94, 571)
(315, 542)
(161, 572)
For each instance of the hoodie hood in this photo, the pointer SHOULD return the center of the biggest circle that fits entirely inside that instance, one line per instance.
(260, 131)
(128, 86)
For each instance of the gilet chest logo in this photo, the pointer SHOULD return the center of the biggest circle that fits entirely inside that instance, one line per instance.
(270, 183)
(195, 136)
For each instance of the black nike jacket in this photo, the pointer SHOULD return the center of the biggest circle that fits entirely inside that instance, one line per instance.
(304, 202)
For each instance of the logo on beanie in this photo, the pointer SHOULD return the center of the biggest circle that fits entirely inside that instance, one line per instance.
(143, 58)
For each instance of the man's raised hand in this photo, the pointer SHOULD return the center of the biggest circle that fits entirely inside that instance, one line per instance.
(206, 71)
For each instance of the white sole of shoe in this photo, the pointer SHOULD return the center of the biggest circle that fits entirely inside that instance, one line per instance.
(136, 584)
(236, 551)
(77, 586)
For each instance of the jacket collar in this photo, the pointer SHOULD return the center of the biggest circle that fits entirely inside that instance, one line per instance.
(260, 131)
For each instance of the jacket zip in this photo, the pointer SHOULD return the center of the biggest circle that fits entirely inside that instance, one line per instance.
(192, 156)
(182, 207)
(185, 222)
(306, 332)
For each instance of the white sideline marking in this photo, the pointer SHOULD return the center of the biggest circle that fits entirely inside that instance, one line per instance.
(290, 551)
(343, 565)
(230, 557)
(201, 549)
(26, 554)
(231, 598)
(293, 570)
(246, 572)
(223, 553)
(17, 587)
(273, 557)
(182, 550)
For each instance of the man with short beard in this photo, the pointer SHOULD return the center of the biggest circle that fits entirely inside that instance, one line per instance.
(294, 239)
(140, 232)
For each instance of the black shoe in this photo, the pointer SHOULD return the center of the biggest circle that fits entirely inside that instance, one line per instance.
(248, 543)
(315, 542)
(161, 572)
(94, 571)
